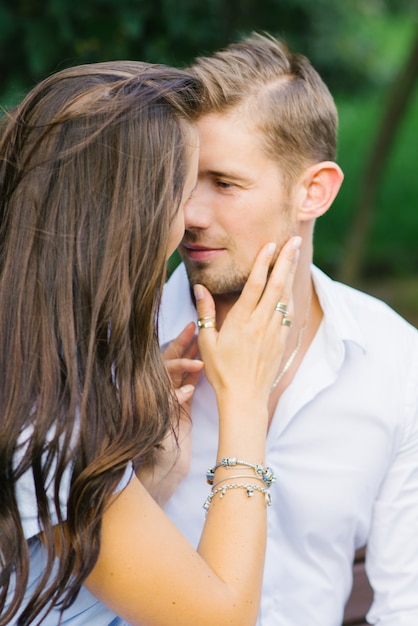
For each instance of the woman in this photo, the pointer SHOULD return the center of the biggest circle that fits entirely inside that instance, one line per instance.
(96, 166)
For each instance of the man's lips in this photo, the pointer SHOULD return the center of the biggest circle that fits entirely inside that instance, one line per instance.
(195, 252)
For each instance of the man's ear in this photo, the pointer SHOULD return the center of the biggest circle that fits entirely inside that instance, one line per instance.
(317, 189)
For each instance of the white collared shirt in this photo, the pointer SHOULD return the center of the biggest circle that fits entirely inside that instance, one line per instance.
(344, 446)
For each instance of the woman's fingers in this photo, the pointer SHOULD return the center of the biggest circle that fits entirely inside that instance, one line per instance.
(184, 393)
(180, 361)
(277, 297)
(206, 315)
(260, 287)
(184, 345)
(177, 367)
(256, 282)
(184, 371)
(262, 291)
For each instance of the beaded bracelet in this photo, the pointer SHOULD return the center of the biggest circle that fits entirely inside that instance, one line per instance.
(250, 489)
(265, 473)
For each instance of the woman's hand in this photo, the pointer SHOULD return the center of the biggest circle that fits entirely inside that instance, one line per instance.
(242, 358)
(182, 365)
(169, 464)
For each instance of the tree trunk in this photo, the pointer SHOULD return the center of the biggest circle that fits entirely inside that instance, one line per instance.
(399, 99)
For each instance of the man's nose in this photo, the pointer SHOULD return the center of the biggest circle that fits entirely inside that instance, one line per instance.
(197, 211)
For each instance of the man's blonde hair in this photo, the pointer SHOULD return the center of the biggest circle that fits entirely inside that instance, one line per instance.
(281, 92)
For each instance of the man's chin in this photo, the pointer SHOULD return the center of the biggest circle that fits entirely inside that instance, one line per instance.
(218, 284)
(196, 272)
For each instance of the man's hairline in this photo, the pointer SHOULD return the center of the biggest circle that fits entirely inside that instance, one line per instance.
(254, 125)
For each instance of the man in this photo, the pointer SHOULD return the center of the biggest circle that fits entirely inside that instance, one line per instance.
(343, 434)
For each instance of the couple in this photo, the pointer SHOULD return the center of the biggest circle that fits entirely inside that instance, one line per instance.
(309, 398)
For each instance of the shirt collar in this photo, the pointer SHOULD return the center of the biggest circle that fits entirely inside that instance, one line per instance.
(339, 318)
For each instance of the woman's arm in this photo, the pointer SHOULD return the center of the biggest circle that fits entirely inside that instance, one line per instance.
(147, 572)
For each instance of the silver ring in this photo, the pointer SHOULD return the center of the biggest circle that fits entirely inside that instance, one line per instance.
(286, 321)
(206, 322)
(281, 307)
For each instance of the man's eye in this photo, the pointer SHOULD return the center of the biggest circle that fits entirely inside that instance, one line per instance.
(223, 185)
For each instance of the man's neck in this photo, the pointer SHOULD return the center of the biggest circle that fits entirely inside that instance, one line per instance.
(223, 305)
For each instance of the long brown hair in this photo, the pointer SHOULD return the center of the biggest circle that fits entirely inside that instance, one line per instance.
(92, 168)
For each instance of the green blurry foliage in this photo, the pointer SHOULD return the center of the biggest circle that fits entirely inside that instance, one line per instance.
(40, 36)
(356, 45)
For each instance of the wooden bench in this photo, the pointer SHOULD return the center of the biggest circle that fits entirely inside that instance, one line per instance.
(361, 594)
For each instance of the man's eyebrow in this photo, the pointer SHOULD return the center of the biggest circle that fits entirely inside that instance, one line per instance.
(225, 174)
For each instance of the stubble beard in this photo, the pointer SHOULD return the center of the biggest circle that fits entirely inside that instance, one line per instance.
(229, 283)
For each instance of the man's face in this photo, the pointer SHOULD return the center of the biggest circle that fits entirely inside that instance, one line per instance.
(239, 205)
(177, 225)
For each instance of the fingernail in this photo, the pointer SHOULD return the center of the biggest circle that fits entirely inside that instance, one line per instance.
(186, 389)
(198, 292)
(295, 242)
(270, 248)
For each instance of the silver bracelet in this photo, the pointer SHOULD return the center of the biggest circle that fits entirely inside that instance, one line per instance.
(250, 489)
(222, 480)
(265, 473)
